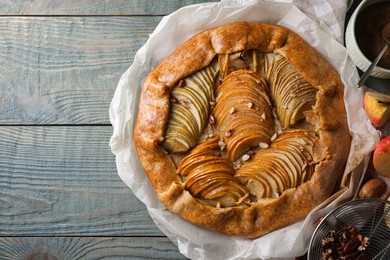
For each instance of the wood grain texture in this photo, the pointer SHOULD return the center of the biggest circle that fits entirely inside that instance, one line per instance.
(64, 70)
(92, 7)
(60, 194)
(61, 180)
(69, 248)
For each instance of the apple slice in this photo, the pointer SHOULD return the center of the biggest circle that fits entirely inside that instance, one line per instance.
(190, 110)
(287, 163)
(253, 178)
(377, 111)
(292, 94)
(381, 157)
(242, 108)
(230, 62)
(256, 187)
(209, 177)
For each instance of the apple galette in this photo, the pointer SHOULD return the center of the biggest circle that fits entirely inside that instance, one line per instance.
(242, 129)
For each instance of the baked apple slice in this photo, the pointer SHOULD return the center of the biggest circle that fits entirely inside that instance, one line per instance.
(282, 166)
(231, 62)
(190, 107)
(210, 177)
(240, 120)
(182, 131)
(291, 93)
(258, 187)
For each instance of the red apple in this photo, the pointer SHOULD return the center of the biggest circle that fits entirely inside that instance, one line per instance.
(381, 157)
(378, 112)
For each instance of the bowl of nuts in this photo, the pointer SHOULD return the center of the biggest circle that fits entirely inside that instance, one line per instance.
(358, 229)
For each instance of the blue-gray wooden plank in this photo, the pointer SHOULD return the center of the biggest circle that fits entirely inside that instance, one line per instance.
(93, 7)
(62, 181)
(69, 248)
(58, 184)
(64, 70)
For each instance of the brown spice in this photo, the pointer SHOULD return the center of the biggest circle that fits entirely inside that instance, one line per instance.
(369, 29)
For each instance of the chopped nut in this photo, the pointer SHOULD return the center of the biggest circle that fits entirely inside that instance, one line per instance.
(361, 248)
(237, 164)
(350, 244)
(245, 157)
(274, 137)
(211, 119)
(221, 144)
(181, 83)
(231, 111)
(263, 145)
(250, 105)
(365, 241)
(228, 133)
(263, 117)
(348, 232)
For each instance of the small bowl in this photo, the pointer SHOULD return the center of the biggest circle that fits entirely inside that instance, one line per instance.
(371, 218)
(353, 49)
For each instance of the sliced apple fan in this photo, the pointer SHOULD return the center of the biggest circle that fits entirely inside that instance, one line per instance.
(240, 124)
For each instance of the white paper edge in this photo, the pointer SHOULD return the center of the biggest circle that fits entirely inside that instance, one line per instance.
(286, 242)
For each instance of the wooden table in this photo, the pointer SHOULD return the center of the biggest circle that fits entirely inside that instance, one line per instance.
(60, 194)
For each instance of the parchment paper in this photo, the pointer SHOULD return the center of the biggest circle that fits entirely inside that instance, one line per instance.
(196, 242)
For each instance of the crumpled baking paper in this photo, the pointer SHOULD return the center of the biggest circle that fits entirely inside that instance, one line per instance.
(196, 242)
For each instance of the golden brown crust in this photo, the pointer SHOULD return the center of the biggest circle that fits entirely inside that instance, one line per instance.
(329, 117)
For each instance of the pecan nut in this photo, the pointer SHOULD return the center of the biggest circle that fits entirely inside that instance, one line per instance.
(352, 245)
